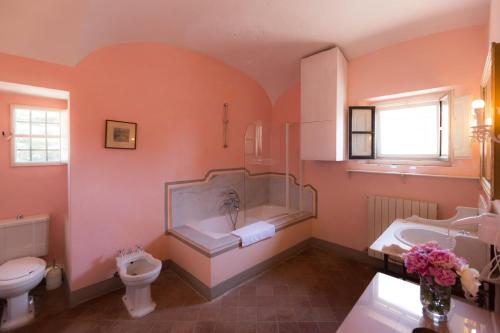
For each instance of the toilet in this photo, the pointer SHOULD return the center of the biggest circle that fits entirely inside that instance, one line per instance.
(137, 270)
(22, 240)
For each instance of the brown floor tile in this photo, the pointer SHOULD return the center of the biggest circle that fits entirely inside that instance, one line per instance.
(248, 290)
(247, 301)
(303, 314)
(209, 314)
(288, 328)
(328, 327)
(205, 327)
(267, 327)
(229, 314)
(246, 327)
(183, 327)
(265, 300)
(284, 313)
(162, 327)
(266, 313)
(312, 292)
(265, 290)
(225, 327)
(281, 290)
(247, 313)
(324, 313)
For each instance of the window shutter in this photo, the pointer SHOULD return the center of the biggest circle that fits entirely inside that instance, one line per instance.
(361, 132)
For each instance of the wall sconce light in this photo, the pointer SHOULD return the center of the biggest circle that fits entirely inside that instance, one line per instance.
(481, 131)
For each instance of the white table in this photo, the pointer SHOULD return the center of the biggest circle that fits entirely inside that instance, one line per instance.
(392, 305)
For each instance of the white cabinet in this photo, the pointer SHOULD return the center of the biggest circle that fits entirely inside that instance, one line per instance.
(323, 81)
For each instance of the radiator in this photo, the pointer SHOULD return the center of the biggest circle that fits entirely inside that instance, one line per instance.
(382, 211)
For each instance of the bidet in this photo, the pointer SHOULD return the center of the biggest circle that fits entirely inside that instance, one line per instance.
(137, 270)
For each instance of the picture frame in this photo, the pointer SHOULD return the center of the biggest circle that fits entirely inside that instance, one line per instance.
(120, 134)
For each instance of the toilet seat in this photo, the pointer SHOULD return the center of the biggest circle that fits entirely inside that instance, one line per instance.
(20, 268)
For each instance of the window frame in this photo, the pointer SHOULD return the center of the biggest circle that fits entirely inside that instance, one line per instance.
(415, 160)
(14, 163)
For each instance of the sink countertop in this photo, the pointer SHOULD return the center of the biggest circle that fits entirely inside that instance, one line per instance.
(388, 236)
(392, 305)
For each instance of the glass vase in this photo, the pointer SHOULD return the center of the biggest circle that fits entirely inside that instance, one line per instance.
(435, 299)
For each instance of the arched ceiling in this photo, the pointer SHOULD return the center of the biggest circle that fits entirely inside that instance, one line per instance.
(263, 38)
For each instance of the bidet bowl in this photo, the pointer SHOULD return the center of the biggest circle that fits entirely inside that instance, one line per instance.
(139, 269)
(140, 272)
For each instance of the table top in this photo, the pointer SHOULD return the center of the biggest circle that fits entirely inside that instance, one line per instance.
(392, 305)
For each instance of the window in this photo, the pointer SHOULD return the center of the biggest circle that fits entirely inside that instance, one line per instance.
(40, 136)
(410, 129)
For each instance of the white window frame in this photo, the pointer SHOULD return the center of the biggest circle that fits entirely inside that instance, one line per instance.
(430, 160)
(14, 163)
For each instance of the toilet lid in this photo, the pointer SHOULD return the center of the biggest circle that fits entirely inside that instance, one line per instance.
(17, 268)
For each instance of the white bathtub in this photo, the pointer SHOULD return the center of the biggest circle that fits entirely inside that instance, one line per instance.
(221, 226)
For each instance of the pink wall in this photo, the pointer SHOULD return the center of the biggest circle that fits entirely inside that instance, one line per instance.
(451, 58)
(33, 189)
(48, 185)
(494, 26)
(176, 96)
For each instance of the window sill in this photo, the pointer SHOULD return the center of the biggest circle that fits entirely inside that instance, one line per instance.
(423, 162)
(404, 174)
(15, 165)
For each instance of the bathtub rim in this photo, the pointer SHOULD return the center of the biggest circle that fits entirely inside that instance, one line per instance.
(229, 242)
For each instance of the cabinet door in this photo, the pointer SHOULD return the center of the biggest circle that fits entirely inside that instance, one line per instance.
(319, 141)
(318, 84)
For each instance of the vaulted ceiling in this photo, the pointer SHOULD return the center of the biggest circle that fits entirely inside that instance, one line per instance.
(263, 38)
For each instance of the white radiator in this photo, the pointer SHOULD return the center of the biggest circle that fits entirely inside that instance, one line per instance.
(382, 211)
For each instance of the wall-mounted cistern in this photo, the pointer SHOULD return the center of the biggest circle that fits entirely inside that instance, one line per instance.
(231, 205)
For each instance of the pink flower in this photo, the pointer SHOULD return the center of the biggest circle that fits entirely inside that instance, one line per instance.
(443, 277)
(433, 262)
(416, 262)
(442, 258)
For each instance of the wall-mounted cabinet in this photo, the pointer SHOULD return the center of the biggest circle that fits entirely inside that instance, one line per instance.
(323, 81)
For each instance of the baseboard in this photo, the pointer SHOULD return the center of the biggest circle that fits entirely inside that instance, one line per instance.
(95, 290)
(356, 255)
(104, 287)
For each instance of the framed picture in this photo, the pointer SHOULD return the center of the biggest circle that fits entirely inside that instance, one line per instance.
(120, 135)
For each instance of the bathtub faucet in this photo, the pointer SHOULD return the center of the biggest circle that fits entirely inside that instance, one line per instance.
(232, 205)
(232, 200)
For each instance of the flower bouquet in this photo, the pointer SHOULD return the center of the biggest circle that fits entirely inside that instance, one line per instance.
(438, 270)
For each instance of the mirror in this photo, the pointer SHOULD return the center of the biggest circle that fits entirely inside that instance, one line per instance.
(486, 147)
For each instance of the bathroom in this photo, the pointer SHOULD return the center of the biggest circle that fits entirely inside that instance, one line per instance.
(214, 100)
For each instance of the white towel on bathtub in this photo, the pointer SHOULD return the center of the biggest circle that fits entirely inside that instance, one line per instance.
(255, 232)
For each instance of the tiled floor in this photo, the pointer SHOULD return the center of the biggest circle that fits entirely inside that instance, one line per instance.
(312, 292)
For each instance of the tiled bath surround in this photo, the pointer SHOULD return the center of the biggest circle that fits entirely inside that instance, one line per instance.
(198, 200)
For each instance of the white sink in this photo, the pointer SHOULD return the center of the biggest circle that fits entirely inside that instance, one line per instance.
(413, 236)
